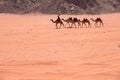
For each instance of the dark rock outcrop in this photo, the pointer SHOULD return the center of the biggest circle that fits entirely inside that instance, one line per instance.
(60, 6)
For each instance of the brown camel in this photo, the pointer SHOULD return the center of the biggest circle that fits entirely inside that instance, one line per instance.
(58, 21)
(85, 22)
(75, 20)
(98, 22)
(71, 21)
(68, 21)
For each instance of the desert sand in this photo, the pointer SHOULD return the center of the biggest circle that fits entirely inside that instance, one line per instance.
(32, 49)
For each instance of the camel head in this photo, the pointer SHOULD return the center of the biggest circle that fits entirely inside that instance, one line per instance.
(92, 19)
(63, 20)
(52, 20)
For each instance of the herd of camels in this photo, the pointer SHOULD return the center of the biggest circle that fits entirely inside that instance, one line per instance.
(75, 22)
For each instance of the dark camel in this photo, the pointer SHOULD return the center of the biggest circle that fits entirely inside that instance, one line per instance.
(58, 21)
(85, 22)
(71, 21)
(75, 20)
(98, 22)
(68, 21)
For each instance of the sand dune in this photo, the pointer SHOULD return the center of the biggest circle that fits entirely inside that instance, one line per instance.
(32, 49)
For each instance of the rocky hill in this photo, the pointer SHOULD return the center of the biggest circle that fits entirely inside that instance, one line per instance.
(59, 6)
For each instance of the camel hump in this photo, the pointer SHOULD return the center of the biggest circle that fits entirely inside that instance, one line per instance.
(99, 19)
(75, 19)
(85, 19)
(70, 18)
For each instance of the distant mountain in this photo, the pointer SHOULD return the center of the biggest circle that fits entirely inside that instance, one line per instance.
(60, 6)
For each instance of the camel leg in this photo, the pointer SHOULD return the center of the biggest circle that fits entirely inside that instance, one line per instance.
(57, 26)
(71, 25)
(102, 24)
(63, 25)
(67, 24)
(79, 24)
(60, 26)
(90, 25)
(75, 25)
(85, 25)
(82, 25)
(96, 25)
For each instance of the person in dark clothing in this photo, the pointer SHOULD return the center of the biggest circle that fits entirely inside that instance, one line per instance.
(58, 19)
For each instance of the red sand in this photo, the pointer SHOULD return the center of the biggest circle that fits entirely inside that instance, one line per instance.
(32, 49)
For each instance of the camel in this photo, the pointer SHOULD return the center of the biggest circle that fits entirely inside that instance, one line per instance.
(72, 21)
(85, 21)
(75, 20)
(68, 21)
(58, 21)
(98, 20)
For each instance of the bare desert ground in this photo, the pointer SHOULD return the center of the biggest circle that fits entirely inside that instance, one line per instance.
(32, 49)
